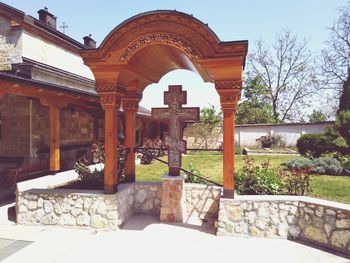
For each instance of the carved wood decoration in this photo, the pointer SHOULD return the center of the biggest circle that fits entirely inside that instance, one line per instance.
(131, 101)
(160, 38)
(110, 100)
(167, 40)
(229, 92)
(176, 115)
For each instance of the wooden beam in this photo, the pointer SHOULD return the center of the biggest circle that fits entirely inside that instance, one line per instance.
(31, 91)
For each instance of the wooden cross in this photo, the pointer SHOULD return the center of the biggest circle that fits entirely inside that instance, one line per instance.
(63, 27)
(176, 115)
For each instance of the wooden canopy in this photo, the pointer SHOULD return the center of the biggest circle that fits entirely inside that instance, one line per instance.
(144, 48)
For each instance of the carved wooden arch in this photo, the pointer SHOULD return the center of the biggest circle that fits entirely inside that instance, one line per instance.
(141, 35)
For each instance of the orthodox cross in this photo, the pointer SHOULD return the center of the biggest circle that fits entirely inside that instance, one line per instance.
(63, 27)
(176, 115)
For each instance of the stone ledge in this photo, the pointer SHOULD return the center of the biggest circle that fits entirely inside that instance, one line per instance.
(169, 177)
(291, 198)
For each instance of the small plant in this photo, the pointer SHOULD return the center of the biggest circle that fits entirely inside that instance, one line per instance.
(152, 148)
(97, 176)
(238, 149)
(327, 165)
(299, 164)
(255, 179)
(322, 165)
(270, 141)
(296, 182)
(191, 177)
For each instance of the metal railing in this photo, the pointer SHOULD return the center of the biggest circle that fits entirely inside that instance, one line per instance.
(145, 151)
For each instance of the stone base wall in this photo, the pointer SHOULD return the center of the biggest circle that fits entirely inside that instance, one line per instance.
(69, 207)
(321, 222)
(74, 208)
(147, 198)
(202, 202)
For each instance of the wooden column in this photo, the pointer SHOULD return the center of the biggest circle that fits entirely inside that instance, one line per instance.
(54, 113)
(229, 92)
(95, 128)
(130, 107)
(54, 138)
(110, 102)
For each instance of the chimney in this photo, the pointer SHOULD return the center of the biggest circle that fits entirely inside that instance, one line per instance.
(89, 42)
(46, 17)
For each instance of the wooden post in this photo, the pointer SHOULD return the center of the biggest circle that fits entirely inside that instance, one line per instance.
(228, 151)
(54, 138)
(130, 107)
(229, 92)
(95, 128)
(54, 114)
(110, 102)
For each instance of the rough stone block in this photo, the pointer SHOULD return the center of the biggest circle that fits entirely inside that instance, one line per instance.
(315, 234)
(97, 221)
(340, 238)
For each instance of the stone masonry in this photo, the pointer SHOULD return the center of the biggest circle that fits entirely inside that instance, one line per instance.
(172, 207)
(321, 222)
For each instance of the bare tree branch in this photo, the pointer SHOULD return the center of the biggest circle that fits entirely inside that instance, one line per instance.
(286, 72)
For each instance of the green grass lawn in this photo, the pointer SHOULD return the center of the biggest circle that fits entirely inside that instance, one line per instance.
(336, 188)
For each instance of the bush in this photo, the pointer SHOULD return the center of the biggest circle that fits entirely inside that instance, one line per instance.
(327, 165)
(254, 179)
(151, 148)
(97, 176)
(300, 164)
(315, 145)
(191, 178)
(296, 182)
(322, 165)
(270, 141)
(238, 149)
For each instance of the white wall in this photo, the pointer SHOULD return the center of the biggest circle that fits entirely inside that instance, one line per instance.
(42, 51)
(247, 135)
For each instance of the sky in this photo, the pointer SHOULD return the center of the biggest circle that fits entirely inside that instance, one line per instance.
(229, 19)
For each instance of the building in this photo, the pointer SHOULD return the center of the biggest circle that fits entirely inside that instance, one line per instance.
(48, 103)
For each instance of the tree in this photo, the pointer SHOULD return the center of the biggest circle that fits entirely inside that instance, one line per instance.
(254, 109)
(317, 116)
(210, 115)
(335, 59)
(336, 70)
(208, 129)
(286, 74)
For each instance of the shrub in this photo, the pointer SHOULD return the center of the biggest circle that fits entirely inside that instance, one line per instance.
(322, 165)
(315, 145)
(97, 176)
(238, 149)
(151, 148)
(299, 164)
(255, 179)
(296, 182)
(327, 165)
(270, 141)
(191, 178)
